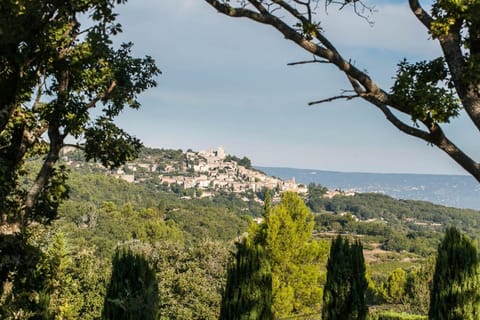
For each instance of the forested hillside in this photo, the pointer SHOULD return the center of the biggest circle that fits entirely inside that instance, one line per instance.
(95, 226)
(189, 241)
(449, 190)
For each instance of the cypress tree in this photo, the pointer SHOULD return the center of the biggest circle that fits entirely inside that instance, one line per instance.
(359, 282)
(248, 292)
(455, 292)
(133, 289)
(346, 286)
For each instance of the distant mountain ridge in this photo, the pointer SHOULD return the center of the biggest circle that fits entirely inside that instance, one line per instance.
(448, 190)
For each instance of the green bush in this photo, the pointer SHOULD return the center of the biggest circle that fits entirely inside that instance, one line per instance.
(391, 315)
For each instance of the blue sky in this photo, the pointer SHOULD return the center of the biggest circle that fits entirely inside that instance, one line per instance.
(225, 82)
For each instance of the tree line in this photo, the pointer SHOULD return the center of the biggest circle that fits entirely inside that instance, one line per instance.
(262, 282)
(67, 269)
(59, 64)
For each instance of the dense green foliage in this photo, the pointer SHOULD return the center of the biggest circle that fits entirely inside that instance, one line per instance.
(344, 295)
(296, 259)
(419, 286)
(164, 157)
(391, 315)
(456, 283)
(399, 225)
(191, 278)
(282, 249)
(245, 162)
(133, 289)
(191, 270)
(172, 234)
(404, 213)
(248, 291)
(59, 64)
(395, 286)
(53, 282)
(104, 211)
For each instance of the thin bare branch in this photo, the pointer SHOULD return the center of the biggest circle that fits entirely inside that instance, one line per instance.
(439, 139)
(307, 6)
(307, 61)
(357, 87)
(326, 51)
(347, 97)
(359, 8)
(276, 8)
(296, 14)
(410, 130)
(259, 6)
(237, 12)
(435, 136)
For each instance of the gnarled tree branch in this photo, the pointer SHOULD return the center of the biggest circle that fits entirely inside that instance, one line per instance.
(362, 84)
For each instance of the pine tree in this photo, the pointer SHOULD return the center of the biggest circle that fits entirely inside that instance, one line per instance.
(60, 286)
(292, 264)
(345, 290)
(248, 292)
(133, 289)
(456, 282)
(296, 258)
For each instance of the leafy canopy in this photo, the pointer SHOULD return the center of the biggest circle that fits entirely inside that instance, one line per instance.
(58, 65)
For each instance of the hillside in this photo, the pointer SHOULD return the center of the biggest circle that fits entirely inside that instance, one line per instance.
(448, 190)
(221, 213)
(193, 174)
(205, 173)
(213, 178)
(188, 236)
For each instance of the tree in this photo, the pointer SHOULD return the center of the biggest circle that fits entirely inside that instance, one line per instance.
(455, 292)
(248, 292)
(419, 285)
(133, 289)
(91, 276)
(53, 283)
(60, 287)
(58, 64)
(191, 279)
(20, 289)
(283, 247)
(430, 93)
(295, 257)
(315, 197)
(344, 295)
(394, 287)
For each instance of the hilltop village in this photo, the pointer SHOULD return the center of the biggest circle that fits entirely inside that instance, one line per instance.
(203, 173)
(209, 171)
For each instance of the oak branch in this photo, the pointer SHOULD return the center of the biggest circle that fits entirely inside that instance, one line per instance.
(429, 92)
